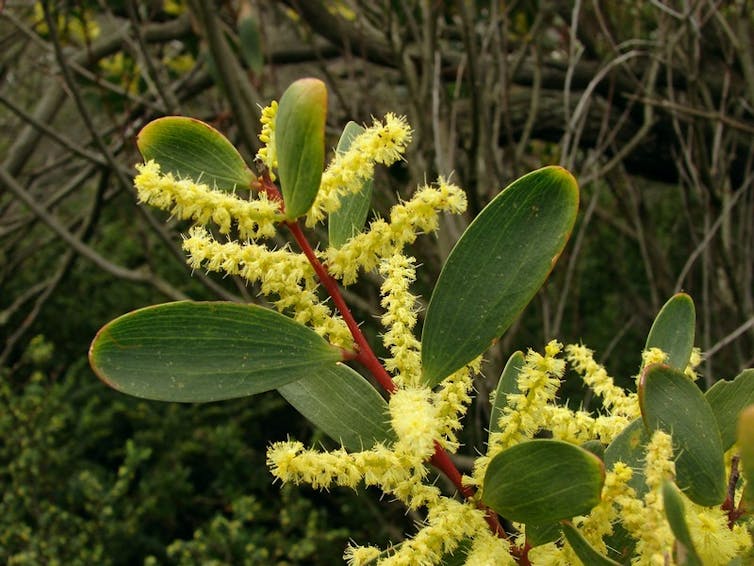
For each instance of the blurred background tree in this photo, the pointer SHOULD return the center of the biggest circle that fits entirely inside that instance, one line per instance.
(650, 103)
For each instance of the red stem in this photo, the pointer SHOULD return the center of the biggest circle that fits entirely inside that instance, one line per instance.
(364, 353)
(729, 505)
(366, 356)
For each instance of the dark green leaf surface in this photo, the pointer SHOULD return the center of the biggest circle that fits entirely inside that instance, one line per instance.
(507, 384)
(198, 352)
(620, 544)
(537, 535)
(629, 447)
(676, 514)
(673, 330)
(585, 551)
(300, 143)
(191, 149)
(541, 481)
(496, 267)
(728, 399)
(343, 404)
(349, 219)
(671, 402)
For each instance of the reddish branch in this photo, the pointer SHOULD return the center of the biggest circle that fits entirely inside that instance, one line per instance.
(366, 356)
(364, 353)
(729, 505)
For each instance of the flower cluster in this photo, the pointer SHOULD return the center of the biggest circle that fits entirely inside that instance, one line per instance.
(400, 318)
(615, 400)
(383, 142)
(538, 381)
(285, 277)
(426, 420)
(192, 200)
(384, 238)
(267, 154)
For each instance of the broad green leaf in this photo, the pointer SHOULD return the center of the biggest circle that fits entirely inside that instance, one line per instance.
(198, 352)
(349, 219)
(728, 399)
(191, 149)
(496, 267)
(746, 445)
(343, 404)
(300, 143)
(541, 481)
(673, 330)
(676, 514)
(671, 402)
(537, 535)
(629, 447)
(585, 551)
(507, 385)
(250, 42)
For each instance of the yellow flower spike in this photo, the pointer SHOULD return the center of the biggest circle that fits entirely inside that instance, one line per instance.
(383, 239)
(448, 523)
(578, 427)
(659, 464)
(187, 199)
(286, 278)
(525, 414)
(695, 359)
(360, 555)
(452, 401)
(714, 542)
(267, 154)
(551, 554)
(653, 356)
(615, 399)
(280, 456)
(489, 549)
(399, 472)
(414, 418)
(383, 142)
(400, 318)
(645, 519)
(600, 521)
(290, 462)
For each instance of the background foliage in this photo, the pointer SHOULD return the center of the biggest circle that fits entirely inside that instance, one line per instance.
(649, 103)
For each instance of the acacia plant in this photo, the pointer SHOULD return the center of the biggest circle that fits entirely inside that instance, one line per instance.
(658, 476)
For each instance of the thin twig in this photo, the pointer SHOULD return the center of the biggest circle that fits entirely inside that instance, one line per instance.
(106, 265)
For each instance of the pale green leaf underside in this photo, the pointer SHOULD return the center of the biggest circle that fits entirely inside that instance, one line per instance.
(676, 514)
(349, 219)
(673, 330)
(507, 384)
(191, 149)
(343, 404)
(585, 551)
(728, 399)
(671, 402)
(198, 352)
